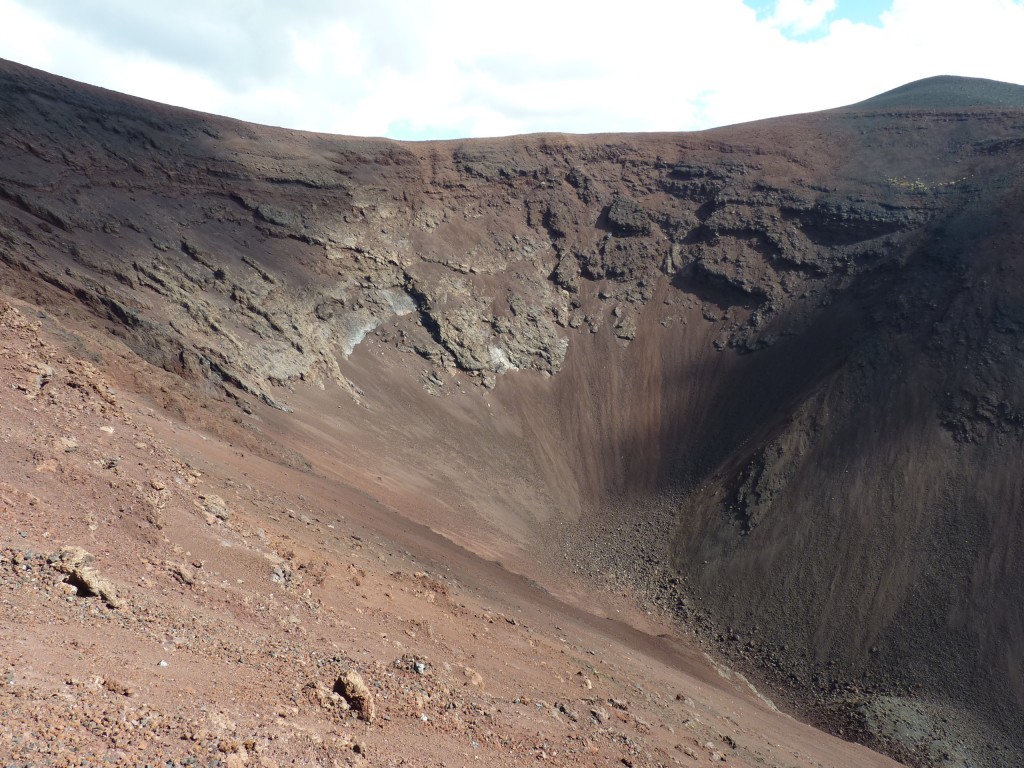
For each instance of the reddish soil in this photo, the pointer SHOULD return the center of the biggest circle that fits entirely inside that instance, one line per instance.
(228, 634)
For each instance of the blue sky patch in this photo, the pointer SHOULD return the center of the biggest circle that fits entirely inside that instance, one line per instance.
(862, 11)
(857, 11)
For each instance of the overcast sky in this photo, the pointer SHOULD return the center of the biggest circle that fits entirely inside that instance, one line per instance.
(459, 68)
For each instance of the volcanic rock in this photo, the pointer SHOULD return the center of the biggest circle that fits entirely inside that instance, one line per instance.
(351, 687)
(76, 564)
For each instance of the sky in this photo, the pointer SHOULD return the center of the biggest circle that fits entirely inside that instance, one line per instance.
(428, 69)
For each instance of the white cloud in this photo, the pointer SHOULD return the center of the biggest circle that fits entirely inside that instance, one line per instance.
(801, 16)
(462, 67)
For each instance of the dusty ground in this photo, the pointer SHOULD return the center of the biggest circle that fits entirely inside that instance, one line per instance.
(234, 592)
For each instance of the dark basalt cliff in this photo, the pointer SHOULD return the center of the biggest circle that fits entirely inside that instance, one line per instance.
(770, 375)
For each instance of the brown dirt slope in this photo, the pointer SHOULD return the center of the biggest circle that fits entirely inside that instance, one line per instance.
(169, 599)
(765, 377)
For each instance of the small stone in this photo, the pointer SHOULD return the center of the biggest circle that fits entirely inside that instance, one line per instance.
(561, 707)
(182, 573)
(216, 506)
(116, 686)
(75, 563)
(282, 574)
(66, 444)
(351, 687)
(473, 677)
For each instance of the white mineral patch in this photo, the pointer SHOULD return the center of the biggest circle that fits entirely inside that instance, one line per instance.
(500, 360)
(401, 303)
(354, 330)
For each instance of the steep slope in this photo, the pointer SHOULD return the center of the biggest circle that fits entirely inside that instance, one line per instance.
(168, 599)
(767, 376)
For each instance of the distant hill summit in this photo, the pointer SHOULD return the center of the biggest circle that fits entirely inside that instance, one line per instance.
(947, 92)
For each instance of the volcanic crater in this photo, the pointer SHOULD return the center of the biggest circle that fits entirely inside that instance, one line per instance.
(553, 441)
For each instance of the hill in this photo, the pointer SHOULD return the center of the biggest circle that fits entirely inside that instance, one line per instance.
(948, 93)
(763, 380)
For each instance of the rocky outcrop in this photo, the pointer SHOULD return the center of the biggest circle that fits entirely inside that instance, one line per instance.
(76, 564)
(626, 217)
(278, 264)
(353, 689)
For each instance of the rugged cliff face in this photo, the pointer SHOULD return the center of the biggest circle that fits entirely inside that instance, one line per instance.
(769, 376)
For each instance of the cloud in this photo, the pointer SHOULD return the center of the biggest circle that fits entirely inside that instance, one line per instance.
(234, 43)
(461, 67)
(801, 16)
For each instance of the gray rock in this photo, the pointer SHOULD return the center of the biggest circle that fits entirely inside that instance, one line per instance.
(627, 218)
